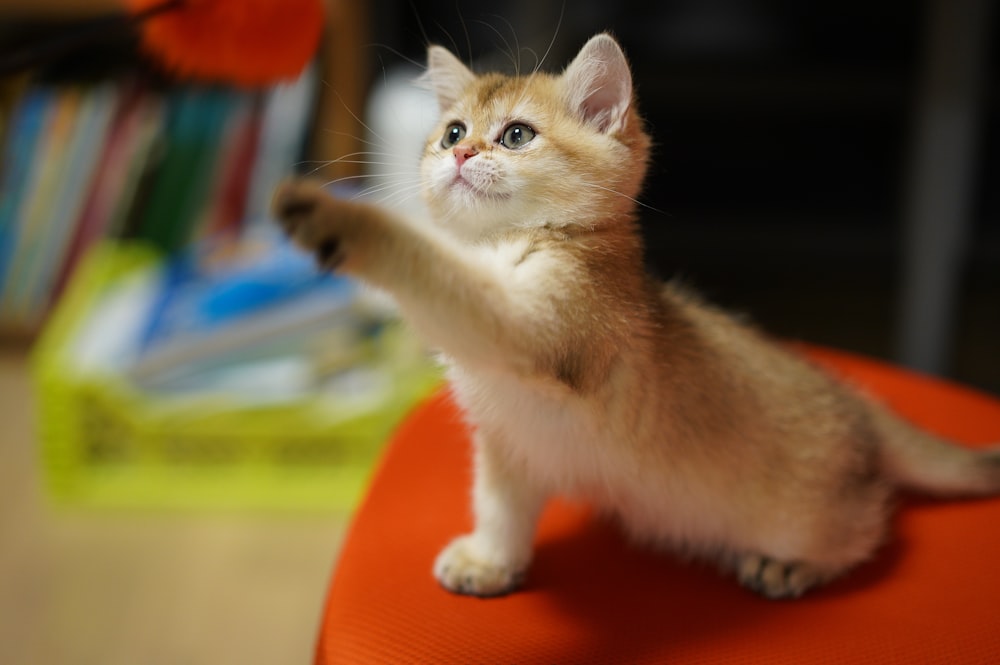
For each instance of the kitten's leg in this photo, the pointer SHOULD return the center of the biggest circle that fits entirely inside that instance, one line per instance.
(493, 559)
(481, 313)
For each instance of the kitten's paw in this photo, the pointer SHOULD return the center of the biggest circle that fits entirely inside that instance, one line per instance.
(308, 215)
(778, 579)
(462, 568)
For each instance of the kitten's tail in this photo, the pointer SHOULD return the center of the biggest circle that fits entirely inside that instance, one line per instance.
(919, 461)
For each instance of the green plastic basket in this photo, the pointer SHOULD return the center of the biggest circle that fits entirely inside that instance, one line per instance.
(106, 444)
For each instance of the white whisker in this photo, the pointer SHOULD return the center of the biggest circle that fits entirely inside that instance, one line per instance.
(382, 187)
(509, 52)
(344, 158)
(359, 120)
(562, 11)
(397, 53)
(356, 138)
(399, 196)
(626, 196)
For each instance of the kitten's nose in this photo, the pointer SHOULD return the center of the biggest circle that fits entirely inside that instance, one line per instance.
(464, 152)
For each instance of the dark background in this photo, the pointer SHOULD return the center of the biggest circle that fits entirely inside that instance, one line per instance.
(785, 140)
(784, 137)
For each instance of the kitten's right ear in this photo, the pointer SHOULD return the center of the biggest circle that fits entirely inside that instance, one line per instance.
(446, 76)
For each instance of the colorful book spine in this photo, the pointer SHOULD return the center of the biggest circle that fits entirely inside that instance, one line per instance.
(80, 163)
(28, 127)
(137, 120)
(82, 155)
(194, 133)
(41, 190)
(228, 199)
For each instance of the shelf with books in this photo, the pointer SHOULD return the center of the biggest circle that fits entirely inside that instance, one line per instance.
(100, 142)
(130, 158)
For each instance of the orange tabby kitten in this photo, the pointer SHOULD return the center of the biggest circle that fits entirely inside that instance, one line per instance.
(583, 376)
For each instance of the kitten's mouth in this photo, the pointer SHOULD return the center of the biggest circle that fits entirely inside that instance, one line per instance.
(460, 184)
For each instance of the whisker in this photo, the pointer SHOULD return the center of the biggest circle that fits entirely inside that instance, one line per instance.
(531, 51)
(389, 199)
(356, 138)
(394, 186)
(327, 162)
(379, 187)
(399, 195)
(397, 53)
(562, 11)
(359, 120)
(454, 44)
(363, 176)
(420, 23)
(360, 161)
(343, 179)
(616, 192)
(517, 44)
(465, 29)
(509, 51)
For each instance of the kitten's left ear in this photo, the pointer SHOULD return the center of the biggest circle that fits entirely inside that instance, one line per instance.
(598, 84)
(446, 76)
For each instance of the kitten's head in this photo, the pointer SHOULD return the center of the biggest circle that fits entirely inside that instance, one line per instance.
(538, 149)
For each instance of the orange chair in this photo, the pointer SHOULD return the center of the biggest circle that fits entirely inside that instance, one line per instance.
(931, 596)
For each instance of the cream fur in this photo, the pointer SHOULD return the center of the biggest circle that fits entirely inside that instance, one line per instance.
(582, 376)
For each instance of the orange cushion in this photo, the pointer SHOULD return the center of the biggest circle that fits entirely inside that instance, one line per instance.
(932, 595)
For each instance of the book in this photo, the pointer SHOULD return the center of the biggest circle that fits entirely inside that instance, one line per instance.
(223, 301)
(28, 126)
(284, 125)
(127, 159)
(226, 206)
(196, 118)
(78, 174)
(41, 190)
(137, 118)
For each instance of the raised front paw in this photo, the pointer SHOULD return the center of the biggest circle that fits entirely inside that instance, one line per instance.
(313, 219)
(463, 568)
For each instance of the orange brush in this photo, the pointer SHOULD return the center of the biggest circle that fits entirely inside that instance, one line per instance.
(247, 42)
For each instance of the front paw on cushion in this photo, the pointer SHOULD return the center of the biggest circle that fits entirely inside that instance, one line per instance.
(461, 568)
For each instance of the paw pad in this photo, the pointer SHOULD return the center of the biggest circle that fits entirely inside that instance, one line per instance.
(327, 253)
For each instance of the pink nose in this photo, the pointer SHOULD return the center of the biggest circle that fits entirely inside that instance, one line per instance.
(463, 152)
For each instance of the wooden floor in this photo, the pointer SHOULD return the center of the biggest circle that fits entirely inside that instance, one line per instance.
(107, 589)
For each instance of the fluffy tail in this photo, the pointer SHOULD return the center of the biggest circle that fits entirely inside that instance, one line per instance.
(919, 461)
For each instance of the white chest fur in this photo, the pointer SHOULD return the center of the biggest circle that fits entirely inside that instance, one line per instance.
(565, 444)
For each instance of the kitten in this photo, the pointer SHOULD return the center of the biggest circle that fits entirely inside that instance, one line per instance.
(583, 376)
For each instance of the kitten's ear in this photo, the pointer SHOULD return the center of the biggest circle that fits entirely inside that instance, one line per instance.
(598, 84)
(446, 76)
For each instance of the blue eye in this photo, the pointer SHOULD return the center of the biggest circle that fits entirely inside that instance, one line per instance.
(516, 136)
(452, 135)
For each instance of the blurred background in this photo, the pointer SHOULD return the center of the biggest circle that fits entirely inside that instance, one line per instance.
(827, 168)
(191, 412)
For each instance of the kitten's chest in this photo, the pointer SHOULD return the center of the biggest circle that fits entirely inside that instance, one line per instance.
(572, 446)
(557, 437)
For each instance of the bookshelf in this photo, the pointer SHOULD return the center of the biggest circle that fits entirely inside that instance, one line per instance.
(127, 152)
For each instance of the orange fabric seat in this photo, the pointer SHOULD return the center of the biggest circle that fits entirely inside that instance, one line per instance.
(932, 595)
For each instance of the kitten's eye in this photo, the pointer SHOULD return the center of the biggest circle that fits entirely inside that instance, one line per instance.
(516, 135)
(452, 135)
